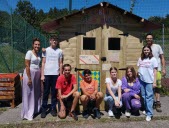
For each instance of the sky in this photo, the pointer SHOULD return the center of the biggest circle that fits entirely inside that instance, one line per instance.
(143, 8)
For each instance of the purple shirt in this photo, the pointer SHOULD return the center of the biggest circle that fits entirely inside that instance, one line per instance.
(135, 89)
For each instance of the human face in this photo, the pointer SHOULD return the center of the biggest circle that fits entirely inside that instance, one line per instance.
(67, 71)
(129, 73)
(88, 77)
(149, 40)
(36, 46)
(146, 51)
(113, 73)
(53, 43)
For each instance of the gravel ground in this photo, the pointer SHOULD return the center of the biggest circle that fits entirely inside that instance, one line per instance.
(11, 117)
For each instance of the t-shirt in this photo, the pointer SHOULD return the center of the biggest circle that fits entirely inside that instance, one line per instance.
(34, 61)
(89, 87)
(146, 67)
(114, 87)
(65, 86)
(53, 57)
(157, 51)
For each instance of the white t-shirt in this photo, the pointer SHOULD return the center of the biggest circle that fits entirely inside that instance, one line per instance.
(34, 61)
(53, 57)
(114, 88)
(146, 67)
(157, 51)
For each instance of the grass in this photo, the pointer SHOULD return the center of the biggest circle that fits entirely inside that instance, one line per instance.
(8, 56)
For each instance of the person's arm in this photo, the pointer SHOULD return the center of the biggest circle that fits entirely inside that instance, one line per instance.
(124, 85)
(42, 69)
(155, 75)
(61, 65)
(60, 100)
(119, 93)
(27, 65)
(163, 64)
(93, 96)
(110, 91)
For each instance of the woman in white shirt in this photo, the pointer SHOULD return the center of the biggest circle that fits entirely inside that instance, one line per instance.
(113, 91)
(31, 89)
(147, 76)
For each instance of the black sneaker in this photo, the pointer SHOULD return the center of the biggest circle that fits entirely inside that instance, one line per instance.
(73, 115)
(85, 114)
(43, 114)
(53, 112)
(97, 113)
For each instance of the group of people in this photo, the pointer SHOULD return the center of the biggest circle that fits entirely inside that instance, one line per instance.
(134, 91)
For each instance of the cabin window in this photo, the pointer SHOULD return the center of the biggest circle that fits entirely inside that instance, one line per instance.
(89, 43)
(114, 44)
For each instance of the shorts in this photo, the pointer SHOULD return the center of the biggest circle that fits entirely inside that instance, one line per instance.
(67, 103)
(158, 79)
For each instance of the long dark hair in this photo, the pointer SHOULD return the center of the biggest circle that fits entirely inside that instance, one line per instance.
(143, 55)
(134, 76)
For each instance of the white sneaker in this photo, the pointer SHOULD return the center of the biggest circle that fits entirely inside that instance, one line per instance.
(110, 113)
(148, 118)
(127, 114)
(144, 112)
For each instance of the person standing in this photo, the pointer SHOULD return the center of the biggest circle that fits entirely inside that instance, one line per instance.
(67, 93)
(147, 76)
(31, 89)
(159, 55)
(113, 91)
(131, 89)
(51, 68)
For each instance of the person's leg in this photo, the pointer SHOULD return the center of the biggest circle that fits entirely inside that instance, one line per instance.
(46, 90)
(126, 98)
(74, 101)
(143, 97)
(84, 100)
(109, 101)
(135, 104)
(53, 94)
(149, 99)
(99, 98)
(157, 93)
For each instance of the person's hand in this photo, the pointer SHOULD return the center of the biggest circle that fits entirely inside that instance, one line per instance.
(126, 90)
(43, 78)
(29, 82)
(137, 96)
(117, 103)
(43, 50)
(154, 85)
(93, 97)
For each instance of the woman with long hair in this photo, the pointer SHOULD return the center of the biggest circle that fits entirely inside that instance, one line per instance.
(147, 76)
(131, 89)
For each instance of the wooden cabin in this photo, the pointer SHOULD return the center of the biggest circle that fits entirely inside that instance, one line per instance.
(101, 37)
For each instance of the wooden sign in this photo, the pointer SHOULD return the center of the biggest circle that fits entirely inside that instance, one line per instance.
(113, 57)
(89, 59)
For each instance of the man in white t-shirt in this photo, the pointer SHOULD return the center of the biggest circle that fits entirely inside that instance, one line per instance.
(159, 55)
(51, 68)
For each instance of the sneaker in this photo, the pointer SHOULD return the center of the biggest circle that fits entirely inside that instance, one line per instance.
(148, 118)
(110, 113)
(144, 112)
(73, 115)
(127, 113)
(43, 114)
(97, 113)
(158, 106)
(53, 112)
(85, 114)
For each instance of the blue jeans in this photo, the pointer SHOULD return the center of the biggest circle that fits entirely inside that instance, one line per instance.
(110, 101)
(148, 96)
(49, 85)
